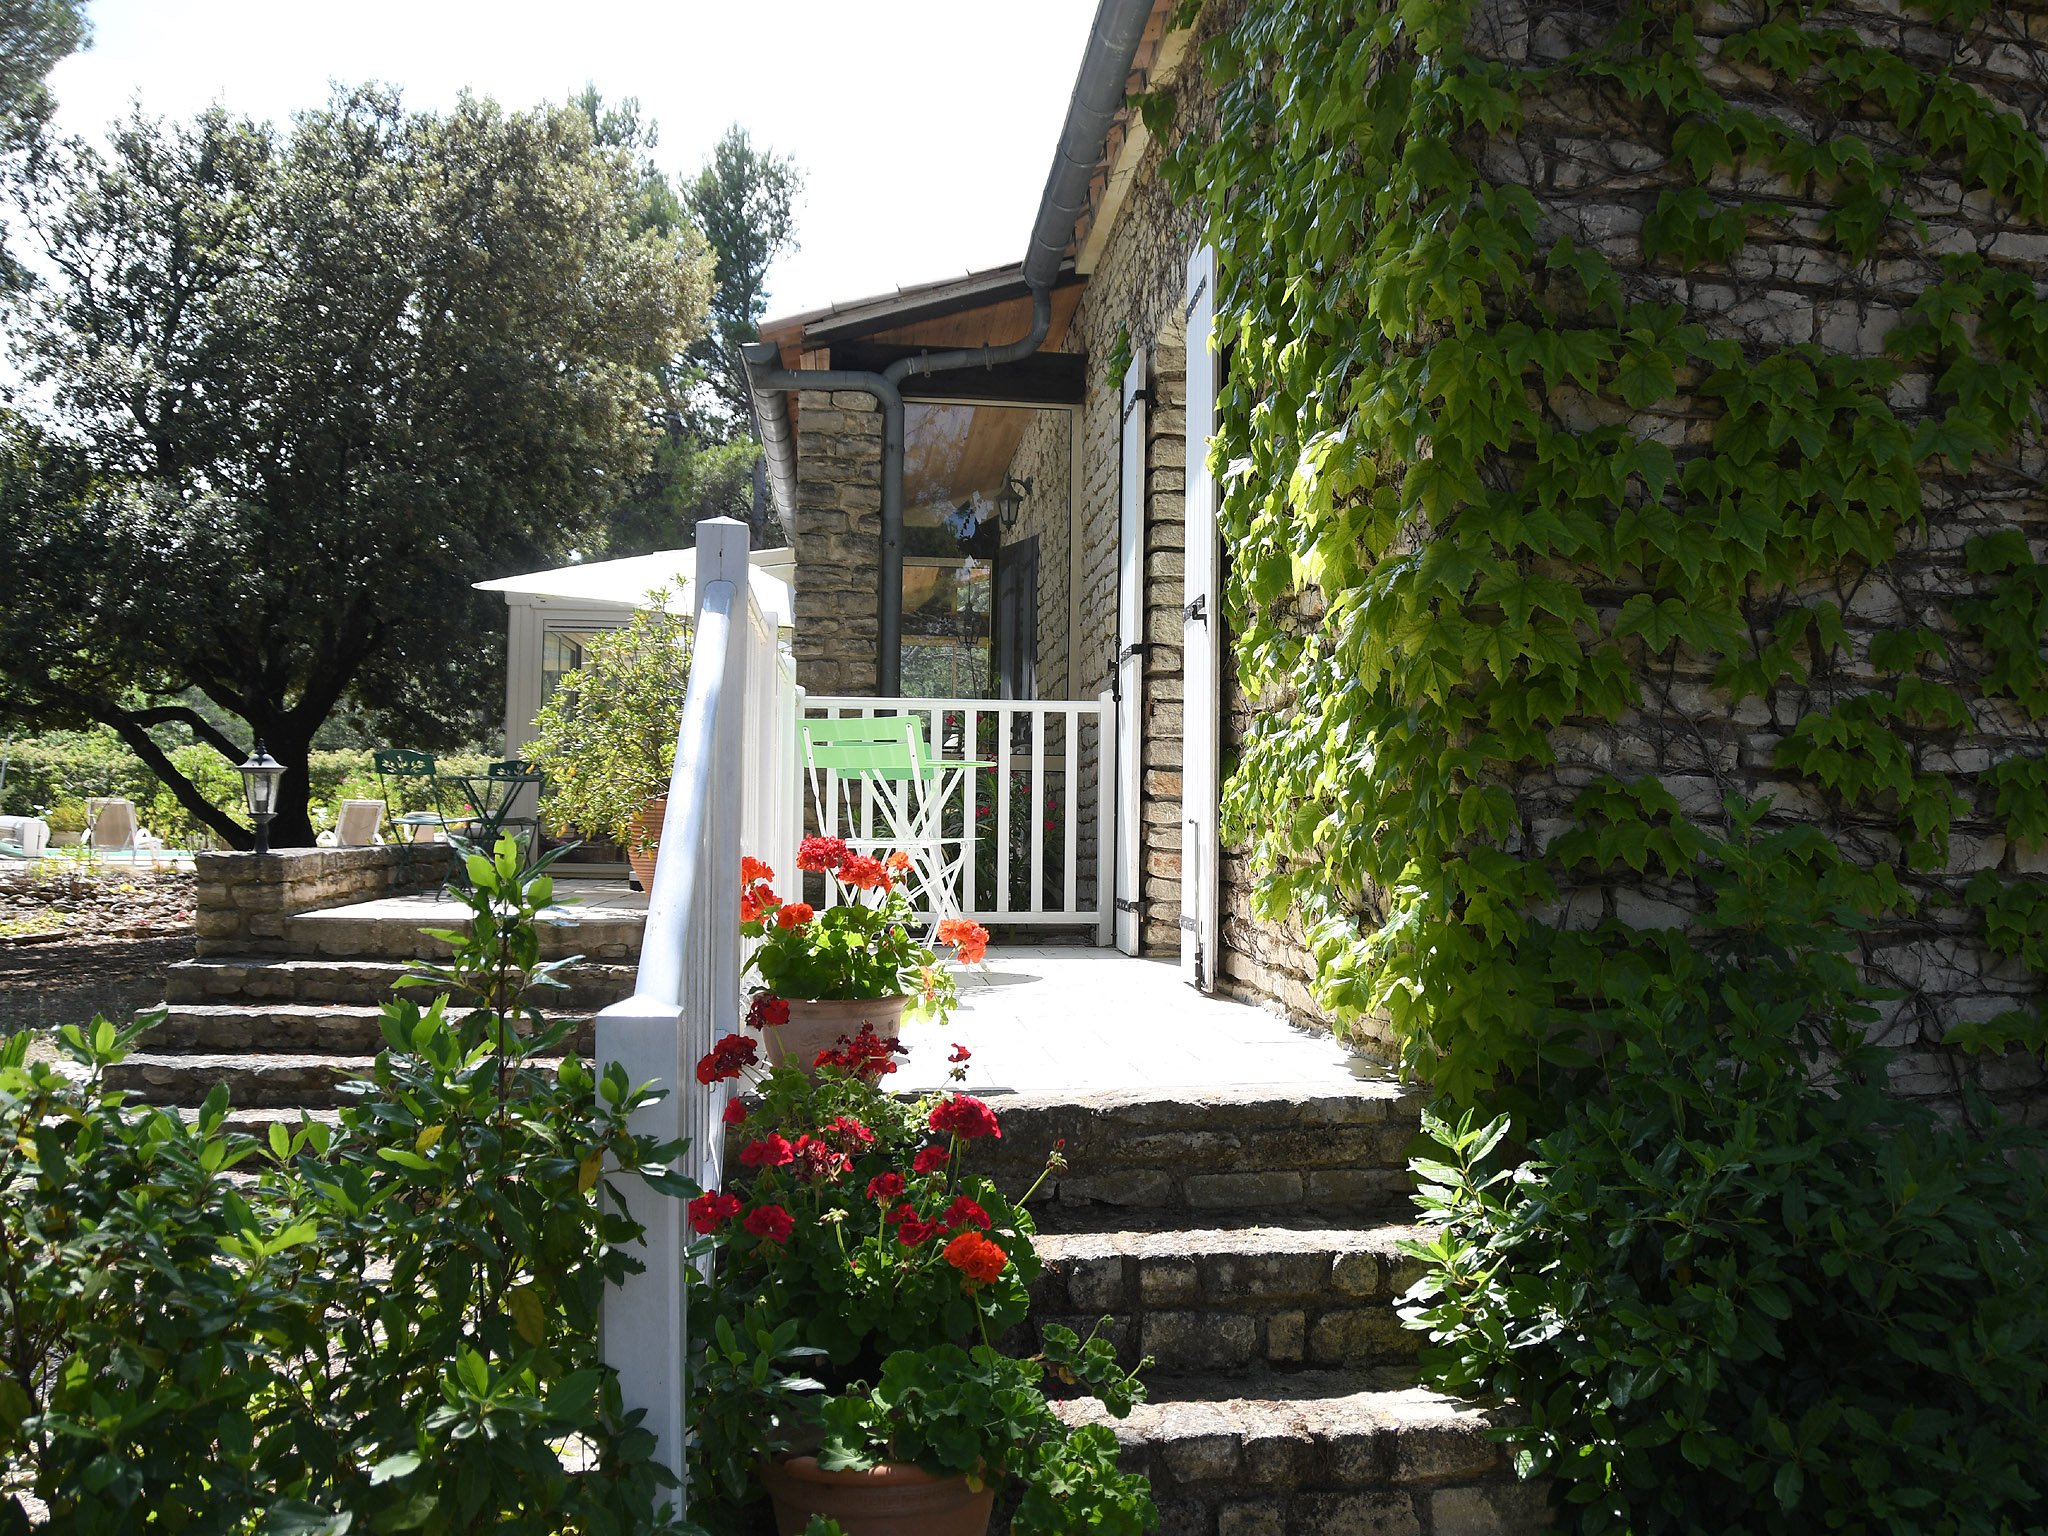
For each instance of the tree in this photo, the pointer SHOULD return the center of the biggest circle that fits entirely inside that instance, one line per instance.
(311, 387)
(744, 200)
(34, 35)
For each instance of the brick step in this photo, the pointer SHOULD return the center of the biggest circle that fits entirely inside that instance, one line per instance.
(392, 930)
(1328, 1458)
(267, 979)
(1255, 1301)
(1153, 1159)
(319, 1029)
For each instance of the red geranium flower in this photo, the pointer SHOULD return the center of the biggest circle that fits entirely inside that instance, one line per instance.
(817, 1163)
(753, 871)
(726, 1058)
(960, 1053)
(848, 1134)
(886, 1187)
(899, 1214)
(866, 1055)
(771, 1222)
(822, 853)
(978, 1259)
(964, 1212)
(930, 1160)
(710, 1211)
(965, 1117)
(795, 915)
(769, 1152)
(766, 1012)
(865, 873)
(913, 1231)
(735, 1113)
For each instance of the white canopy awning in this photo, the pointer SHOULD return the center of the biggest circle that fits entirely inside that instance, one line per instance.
(627, 583)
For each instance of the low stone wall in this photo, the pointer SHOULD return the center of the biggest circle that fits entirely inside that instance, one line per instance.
(245, 898)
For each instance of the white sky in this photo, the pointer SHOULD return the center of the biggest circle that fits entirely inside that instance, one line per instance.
(925, 128)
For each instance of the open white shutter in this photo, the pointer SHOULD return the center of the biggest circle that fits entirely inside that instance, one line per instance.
(1130, 654)
(1201, 847)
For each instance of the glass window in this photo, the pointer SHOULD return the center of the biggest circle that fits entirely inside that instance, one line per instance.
(561, 652)
(979, 482)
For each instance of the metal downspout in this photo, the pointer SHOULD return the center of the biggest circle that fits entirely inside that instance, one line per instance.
(1098, 95)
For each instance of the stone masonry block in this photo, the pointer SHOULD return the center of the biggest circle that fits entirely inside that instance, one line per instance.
(1242, 1191)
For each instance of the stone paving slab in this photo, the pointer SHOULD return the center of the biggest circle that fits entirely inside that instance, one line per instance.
(334, 1029)
(357, 980)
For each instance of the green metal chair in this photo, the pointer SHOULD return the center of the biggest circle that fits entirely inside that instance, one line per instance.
(898, 777)
(414, 771)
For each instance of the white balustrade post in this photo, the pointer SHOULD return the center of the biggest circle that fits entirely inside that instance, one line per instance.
(686, 992)
(1105, 818)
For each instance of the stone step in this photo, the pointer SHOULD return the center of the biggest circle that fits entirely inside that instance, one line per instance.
(392, 930)
(268, 1080)
(1327, 1458)
(1255, 1301)
(267, 979)
(320, 1029)
(1160, 1158)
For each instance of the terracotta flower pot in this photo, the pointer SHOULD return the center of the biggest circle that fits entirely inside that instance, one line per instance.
(894, 1499)
(816, 1025)
(643, 827)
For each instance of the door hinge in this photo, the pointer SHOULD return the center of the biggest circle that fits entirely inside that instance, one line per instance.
(1125, 904)
(1140, 648)
(1196, 612)
(1186, 923)
(1200, 288)
(1132, 404)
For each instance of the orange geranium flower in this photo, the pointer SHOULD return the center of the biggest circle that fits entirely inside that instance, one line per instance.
(898, 862)
(865, 874)
(753, 871)
(969, 940)
(795, 915)
(978, 1259)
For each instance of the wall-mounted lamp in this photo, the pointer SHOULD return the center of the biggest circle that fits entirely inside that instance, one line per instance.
(1010, 500)
(259, 785)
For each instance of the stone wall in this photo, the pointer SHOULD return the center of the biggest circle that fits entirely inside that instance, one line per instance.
(838, 540)
(245, 898)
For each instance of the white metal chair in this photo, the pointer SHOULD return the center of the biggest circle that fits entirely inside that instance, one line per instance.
(893, 793)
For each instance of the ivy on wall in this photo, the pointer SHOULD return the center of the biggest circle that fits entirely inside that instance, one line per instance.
(1490, 500)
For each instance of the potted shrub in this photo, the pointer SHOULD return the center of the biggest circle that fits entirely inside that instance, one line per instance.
(825, 974)
(606, 737)
(851, 1237)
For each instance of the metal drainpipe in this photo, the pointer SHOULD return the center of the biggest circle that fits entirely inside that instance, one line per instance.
(1098, 96)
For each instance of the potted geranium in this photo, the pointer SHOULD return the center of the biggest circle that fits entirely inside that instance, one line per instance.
(850, 1235)
(825, 974)
(606, 737)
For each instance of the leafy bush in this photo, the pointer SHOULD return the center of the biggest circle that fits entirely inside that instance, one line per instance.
(1736, 1284)
(389, 1326)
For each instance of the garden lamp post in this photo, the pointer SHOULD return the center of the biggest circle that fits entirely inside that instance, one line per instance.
(259, 783)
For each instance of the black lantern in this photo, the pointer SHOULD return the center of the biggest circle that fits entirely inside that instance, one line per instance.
(1010, 500)
(259, 784)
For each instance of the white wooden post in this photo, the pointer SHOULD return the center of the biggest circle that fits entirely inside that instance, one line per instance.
(1130, 655)
(1201, 631)
(1105, 818)
(686, 993)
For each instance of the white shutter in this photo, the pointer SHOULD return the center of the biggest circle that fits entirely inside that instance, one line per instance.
(1130, 654)
(1201, 847)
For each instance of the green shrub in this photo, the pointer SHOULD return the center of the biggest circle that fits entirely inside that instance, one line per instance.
(1736, 1285)
(390, 1326)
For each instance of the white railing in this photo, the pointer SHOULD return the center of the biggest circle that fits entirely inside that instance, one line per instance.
(733, 787)
(1034, 832)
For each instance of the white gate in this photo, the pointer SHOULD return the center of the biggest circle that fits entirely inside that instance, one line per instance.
(1201, 646)
(1027, 856)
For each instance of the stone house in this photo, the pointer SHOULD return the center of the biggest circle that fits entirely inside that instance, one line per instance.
(1050, 545)
(1055, 520)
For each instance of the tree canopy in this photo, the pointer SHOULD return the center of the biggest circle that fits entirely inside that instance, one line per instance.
(34, 35)
(309, 386)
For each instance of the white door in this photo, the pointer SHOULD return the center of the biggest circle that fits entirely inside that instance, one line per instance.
(1200, 845)
(1130, 654)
